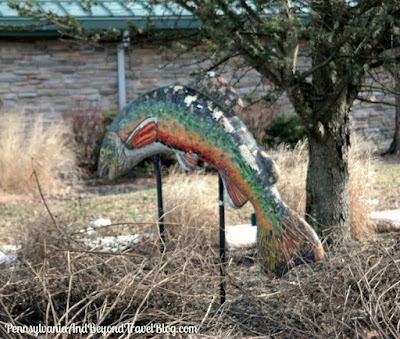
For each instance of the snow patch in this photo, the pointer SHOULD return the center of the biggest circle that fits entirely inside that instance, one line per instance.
(118, 243)
(387, 220)
(241, 236)
(9, 261)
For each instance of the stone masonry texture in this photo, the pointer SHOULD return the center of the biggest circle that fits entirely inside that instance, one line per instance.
(54, 77)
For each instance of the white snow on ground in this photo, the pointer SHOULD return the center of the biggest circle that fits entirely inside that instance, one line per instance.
(99, 223)
(10, 248)
(372, 202)
(9, 261)
(118, 243)
(390, 217)
(237, 237)
(241, 236)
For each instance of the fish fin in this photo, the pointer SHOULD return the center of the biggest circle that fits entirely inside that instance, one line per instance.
(145, 133)
(235, 197)
(271, 167)
(188, 161)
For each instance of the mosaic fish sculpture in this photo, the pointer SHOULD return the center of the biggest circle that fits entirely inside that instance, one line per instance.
(198, 122)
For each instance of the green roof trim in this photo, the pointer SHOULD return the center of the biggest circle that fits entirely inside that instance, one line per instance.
(102, 15)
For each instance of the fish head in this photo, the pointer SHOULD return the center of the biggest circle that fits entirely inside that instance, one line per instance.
(293, 243)
(300, 243)
(109, 160)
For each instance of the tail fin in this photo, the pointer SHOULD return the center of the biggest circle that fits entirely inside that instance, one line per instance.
(293, 243)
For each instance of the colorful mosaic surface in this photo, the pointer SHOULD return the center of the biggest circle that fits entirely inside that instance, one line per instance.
(198, 122)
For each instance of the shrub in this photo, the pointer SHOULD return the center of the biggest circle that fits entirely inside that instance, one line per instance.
(285, 128)
(28, 143)
(256, 117)
(89, 127)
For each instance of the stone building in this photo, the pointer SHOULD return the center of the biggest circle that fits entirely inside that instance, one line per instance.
(45, 73)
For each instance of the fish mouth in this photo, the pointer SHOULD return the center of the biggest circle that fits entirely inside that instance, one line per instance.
(108, 164)
(319, 253)
(294, 243)
(310, 247)
(104, 172)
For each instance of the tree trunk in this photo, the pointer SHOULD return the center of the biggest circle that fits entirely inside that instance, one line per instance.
(327, 205)
(395, 145)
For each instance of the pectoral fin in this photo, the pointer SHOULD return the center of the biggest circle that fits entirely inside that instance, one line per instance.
(236, 198)
(145, 133)
(188, 161)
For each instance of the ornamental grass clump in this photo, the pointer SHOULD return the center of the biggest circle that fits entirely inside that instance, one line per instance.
(293, 162)
(28, 143)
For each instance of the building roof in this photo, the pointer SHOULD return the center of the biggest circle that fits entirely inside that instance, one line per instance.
(102, 14)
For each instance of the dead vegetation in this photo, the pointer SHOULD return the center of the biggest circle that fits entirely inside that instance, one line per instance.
(257, 116)
(353, 293)
(29, 143)
(61, 282)
(88, 128)
(293, 163)
(191, 205)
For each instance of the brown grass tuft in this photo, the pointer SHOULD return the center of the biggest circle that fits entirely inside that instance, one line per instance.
(293, 163)
(191, 204)
(28, 143)
(361, 189)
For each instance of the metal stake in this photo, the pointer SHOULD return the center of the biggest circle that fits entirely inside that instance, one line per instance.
(157, 167)
(222, 253)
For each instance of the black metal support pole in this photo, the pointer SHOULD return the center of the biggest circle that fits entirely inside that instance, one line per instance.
(253, 219)
(157, 168)
(222, 253)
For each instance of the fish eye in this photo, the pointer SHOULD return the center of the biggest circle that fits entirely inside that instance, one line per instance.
(102, 152)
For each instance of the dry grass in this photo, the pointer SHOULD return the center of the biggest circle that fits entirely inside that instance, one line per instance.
(61, 282)
(354, 293)
(191, 204)
(292, 164)
(27, 143)
(361, 187)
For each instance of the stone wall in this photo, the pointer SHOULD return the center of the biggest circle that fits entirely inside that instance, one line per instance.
(54, 77)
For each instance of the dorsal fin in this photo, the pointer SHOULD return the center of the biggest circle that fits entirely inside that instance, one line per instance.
(235, 198)
(145, 133)
(271, 168)
(217, 88)
(188, 161)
